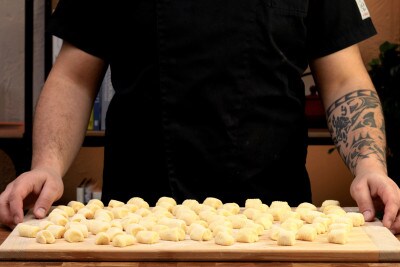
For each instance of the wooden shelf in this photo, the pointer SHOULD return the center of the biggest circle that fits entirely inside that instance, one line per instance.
(11, 129)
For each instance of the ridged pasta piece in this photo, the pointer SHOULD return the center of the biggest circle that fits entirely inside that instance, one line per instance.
(357, 218)
(306, 233)
(246, 235)
(338, 236)
(286, 238)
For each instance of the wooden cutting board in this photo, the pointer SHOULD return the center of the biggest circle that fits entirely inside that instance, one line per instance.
(369, 243)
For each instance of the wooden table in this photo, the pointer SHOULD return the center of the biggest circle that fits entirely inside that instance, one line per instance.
(5, 232)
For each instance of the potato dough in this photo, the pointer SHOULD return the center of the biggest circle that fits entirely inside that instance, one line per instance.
(73, 235)
(224, 239)
(147, 237)
(27, 230)
(45, 237)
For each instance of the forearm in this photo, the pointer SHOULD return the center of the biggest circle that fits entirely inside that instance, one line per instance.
(60, 123)
(356, 124)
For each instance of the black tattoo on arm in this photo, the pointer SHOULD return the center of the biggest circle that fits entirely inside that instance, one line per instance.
(357, 127)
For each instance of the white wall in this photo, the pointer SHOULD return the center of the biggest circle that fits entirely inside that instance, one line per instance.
(12, 57)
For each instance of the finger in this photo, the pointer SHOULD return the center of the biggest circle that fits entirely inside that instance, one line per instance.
(48, 195)
(19, 192)
(395, 227)
(5, 211)
(361, 194)
(391, 207)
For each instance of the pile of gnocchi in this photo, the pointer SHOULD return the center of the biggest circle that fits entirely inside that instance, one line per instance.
(123, 224)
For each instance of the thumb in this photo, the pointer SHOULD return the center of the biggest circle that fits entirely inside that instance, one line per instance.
(364, 202)
(47, 197)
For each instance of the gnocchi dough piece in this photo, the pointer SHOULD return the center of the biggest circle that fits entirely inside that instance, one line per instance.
(280, 205)
(147, 237)
(224, 238)
(97, 226)
(334, 210)
(286, 238)
(87, 212)
(102, 239)
(329, 202)
(134, 228)
(274, 232)
(200, 233)
(265, 221)
(338, 236)
(103, 215)
(357, 218)
(77, 218)
(214, 224)
(252, 202)
(251, 213)
(320, 227)
(69, 210)
(247, 235)
(238, 220)
(306, 233)
(290, 225)
(119, 212)
(138, 201)
(189, 217)
(169, 200)
(57, 212)
(220, 228)
(97, 202)
(114, 231)
(232, 207)
(45, 237)
(44, 224)
(56, 230)
(172, 234)
(130, 219)
(289, 214)
(75, 205)
(123, 240)
(172, 222)
(191, 203)
(73, 235)
(58, 219)
(115, 203)
(27, 230)
(346, 220)
(213, 202)
(324, 220)
(80, 226)
(143, 212)
(310, 215)
(307, 205)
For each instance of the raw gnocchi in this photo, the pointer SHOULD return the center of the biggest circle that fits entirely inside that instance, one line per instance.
(122, 224)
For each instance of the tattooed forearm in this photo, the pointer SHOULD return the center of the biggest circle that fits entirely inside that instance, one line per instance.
(357, 127)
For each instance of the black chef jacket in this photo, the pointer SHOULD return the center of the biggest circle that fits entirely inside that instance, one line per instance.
(209, 98)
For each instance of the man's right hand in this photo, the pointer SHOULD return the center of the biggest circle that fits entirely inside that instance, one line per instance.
(38, 188)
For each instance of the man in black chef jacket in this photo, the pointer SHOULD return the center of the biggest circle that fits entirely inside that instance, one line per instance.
(209, 101)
